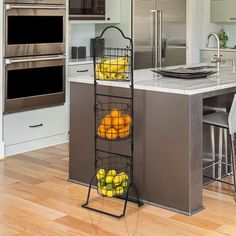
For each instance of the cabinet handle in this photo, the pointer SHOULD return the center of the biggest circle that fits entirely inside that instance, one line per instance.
(81, 71)
(232, 18)
(36, 126)
(108, 18)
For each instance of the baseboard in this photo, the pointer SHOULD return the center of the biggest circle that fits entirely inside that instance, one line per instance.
(36, 144)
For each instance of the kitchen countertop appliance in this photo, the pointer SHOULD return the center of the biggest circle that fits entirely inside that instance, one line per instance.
(34, 54)
(159, 32)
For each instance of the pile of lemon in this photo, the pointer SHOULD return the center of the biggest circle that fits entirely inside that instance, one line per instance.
(115, 125)
(111, 184)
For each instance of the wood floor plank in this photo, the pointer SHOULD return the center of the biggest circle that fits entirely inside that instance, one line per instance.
(36, 200)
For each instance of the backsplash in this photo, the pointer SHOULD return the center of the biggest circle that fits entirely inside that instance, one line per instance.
(79, 35)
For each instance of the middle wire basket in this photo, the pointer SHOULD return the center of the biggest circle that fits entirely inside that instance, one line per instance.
(113, 121)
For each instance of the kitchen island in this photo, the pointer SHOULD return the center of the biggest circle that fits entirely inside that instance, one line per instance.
(168, 133)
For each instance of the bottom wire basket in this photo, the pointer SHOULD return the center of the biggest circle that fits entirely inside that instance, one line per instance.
(113, 174)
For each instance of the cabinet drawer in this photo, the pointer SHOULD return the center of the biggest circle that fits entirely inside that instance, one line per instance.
(32, 125)
(81, 70)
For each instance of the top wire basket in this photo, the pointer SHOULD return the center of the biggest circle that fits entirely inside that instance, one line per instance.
(113, 64)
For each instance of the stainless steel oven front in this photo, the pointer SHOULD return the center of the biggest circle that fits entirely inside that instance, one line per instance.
(34, 29)
(34, 82)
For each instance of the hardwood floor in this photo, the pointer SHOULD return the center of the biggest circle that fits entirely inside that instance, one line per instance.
(36, 199)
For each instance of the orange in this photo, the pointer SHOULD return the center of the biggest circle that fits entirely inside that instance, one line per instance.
(115, 113)
(107, 121)
(118, 123)
(127, 118)
(102, 131)
(111, 133)
(124, 132)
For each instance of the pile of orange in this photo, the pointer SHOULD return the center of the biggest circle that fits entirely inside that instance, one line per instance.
(115, 125)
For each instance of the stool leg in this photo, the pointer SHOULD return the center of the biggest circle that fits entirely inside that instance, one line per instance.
(233, 159)
(227, 171)
(212, 128)
(220, 153)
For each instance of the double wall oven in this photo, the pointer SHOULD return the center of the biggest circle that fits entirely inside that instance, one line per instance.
(34, 53)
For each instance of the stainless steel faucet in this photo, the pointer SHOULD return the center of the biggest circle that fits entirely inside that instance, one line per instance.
(216, 59)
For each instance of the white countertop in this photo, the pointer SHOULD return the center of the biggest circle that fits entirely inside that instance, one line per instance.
(147, 80)
(87, 60)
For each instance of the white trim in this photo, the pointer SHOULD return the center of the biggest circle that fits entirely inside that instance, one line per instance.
(36, 144)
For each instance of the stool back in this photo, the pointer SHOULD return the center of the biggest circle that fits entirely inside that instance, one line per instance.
(232, 117)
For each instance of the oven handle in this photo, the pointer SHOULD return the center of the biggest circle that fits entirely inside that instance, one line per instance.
(9, 7)
(11, 61)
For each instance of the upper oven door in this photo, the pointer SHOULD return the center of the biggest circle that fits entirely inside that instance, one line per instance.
(87, 9)
(34, 30)
(53, 2)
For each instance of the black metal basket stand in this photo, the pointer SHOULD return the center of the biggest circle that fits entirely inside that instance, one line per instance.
(114, 119)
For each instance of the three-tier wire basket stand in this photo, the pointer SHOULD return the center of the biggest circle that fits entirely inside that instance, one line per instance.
(113, 124)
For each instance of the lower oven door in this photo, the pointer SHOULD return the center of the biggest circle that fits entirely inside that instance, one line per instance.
(32, 30)
(32, 83)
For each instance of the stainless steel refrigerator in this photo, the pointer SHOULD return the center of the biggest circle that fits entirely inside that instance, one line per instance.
(159, 33)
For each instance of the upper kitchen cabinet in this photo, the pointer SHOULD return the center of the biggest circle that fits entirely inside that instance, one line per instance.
(95, 11)
(113, 11)
(223, 11)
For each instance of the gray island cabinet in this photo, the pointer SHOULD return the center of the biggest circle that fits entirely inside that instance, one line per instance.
(168, 134)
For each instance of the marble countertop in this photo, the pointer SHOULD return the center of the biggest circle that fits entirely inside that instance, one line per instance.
(87, 60)
(147, 80)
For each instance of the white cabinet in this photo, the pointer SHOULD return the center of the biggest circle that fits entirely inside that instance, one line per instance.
(33, 125)
(223, 11)
(81, 70)
(113, 11)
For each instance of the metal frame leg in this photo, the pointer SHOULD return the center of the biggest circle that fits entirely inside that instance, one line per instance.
(227, 166)
(219, 174)
(126, 199)
(233, 159)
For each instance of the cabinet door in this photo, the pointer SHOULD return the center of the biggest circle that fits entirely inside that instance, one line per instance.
(223, 11)
(113, 11)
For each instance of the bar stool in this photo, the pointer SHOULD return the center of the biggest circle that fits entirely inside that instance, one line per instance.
(224, 121)
(222, 137)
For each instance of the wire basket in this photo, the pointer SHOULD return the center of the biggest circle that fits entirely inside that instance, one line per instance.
(113, 121)
(114, 64)
(113, 174)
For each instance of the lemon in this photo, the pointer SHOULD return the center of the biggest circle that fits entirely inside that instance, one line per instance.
(104, 191)
(109, 179)
(112, 173)
(101, 174)
(124, 176)
(117, 180)
(110, 186)
(125, 184)
(101, 183)
(110, 193)
(119, 190)
(99, 190)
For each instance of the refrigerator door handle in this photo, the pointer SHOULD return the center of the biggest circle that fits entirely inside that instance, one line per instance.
(164, 49)
(160, 38)
(155, 44)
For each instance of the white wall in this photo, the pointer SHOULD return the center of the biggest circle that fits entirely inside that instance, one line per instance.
(80, 35)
